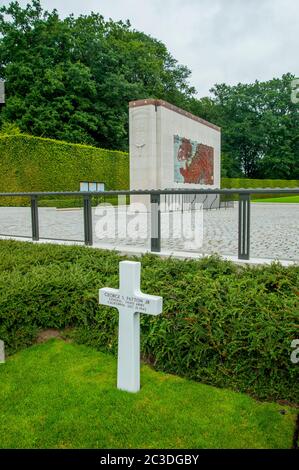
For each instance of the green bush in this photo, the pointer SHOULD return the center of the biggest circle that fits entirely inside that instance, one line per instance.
(35, 164)
(30, 163)
(9, 128)
(230, 183)
(222, 324)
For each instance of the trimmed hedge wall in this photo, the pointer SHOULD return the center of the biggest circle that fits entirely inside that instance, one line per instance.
(35, 164)
(222, 324)
(30, 163)
(258, 183)
(252, 183)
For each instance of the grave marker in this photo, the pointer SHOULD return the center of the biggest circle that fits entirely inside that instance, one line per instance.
(130, 302)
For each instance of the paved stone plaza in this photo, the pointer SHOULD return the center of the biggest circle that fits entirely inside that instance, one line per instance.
(274, 229)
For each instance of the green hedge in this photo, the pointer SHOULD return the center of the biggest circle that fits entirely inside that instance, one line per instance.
(35, 164)
(258, 183)
(30, 163)
(222, 324)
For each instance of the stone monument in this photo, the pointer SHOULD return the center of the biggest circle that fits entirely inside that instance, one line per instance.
(171, 148)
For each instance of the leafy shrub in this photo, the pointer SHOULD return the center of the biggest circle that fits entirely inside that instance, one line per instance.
(35, 164)
(30, 163)
(222, 324)
(9, 128)
(230, 183)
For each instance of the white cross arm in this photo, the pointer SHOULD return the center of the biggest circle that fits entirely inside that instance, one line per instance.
(139, 302)
(150, 304)
(109, 296)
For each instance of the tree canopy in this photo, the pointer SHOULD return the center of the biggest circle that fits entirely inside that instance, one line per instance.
(260, 128)
(72, 79)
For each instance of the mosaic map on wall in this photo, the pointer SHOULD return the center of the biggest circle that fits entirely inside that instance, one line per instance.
(193, 162)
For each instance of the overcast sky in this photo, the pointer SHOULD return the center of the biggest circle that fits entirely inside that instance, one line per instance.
(220, 41)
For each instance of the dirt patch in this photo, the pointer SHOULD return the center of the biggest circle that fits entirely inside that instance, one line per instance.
(45, 335)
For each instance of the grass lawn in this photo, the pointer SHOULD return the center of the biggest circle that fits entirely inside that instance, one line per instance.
(288, 199)
(62, 395)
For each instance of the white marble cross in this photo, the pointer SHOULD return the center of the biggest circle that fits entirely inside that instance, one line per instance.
(130, 302)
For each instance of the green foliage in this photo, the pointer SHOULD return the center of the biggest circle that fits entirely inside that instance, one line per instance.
(71, 79)
(222, 324)
(35, 164)
(231, 183)
(62, 395)
(30, 163)
(284, 199)
(260, 128)
(9, 128)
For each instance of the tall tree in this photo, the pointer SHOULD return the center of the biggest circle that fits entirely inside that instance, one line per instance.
(260, 128)
(72, 79)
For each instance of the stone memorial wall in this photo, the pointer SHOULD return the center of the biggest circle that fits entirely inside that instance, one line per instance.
(171, 148)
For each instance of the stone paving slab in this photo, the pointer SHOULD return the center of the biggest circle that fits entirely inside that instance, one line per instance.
(274, 229)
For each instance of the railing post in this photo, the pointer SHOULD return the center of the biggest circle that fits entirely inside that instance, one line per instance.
(34, 218)
(155, 223)
(244, 226)
(87, 220)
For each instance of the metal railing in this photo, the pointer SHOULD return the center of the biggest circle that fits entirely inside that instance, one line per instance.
(244, 196)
